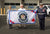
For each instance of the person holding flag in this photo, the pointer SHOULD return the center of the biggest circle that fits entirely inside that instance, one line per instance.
(10, 25)
(22, 9)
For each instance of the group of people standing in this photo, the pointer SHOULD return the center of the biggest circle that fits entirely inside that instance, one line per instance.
(41, 10)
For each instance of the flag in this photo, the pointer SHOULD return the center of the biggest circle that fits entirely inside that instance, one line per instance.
(22, 17)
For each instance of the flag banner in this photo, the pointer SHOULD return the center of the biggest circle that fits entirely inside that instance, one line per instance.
(22, 17)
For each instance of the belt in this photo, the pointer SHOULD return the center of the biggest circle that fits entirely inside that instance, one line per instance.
(41, 13)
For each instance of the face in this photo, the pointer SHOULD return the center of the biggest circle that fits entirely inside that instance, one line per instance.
(10, 8)
(21, 6)
(41, 6)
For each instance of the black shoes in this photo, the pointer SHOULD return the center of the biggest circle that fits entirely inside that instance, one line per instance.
(22, 27)
(10, 27)
(42, 29)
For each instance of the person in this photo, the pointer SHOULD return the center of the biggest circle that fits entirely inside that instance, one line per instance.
(41, 15)
(22, 8)
(10, 25)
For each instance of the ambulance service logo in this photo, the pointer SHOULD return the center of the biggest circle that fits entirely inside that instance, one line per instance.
(23, 17)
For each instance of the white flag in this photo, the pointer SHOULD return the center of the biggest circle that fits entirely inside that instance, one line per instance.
(20, 17)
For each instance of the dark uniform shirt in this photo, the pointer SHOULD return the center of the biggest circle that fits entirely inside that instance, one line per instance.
(41, 13)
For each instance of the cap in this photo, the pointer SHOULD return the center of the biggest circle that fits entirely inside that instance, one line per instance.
(41, 3)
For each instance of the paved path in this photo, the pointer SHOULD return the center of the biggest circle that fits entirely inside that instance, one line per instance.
(31, 29)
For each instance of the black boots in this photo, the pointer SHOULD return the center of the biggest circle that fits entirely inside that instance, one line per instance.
(10, 26)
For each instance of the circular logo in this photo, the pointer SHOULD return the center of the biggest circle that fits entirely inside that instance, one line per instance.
(22, 17)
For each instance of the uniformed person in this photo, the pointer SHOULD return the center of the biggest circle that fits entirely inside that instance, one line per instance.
(10, 25)
(22, 8)
(41, 15)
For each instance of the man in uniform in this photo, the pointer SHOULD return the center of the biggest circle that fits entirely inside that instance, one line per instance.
(41, 15)
(10, 25)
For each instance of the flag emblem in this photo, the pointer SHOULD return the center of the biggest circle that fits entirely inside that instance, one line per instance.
(22, 17)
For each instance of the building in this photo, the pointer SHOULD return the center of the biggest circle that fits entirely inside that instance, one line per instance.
(27, 3)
